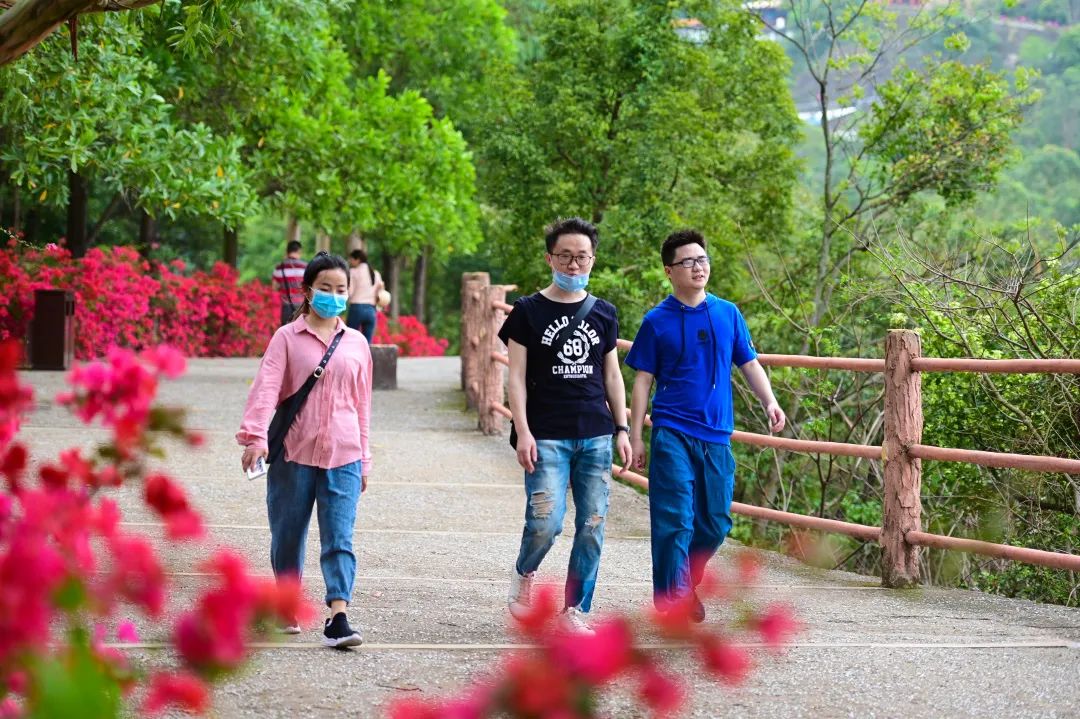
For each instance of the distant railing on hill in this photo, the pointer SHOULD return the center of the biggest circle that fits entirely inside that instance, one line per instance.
(484, 307)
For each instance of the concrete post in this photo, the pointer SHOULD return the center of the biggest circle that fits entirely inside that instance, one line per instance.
(903, 473)
(474, 327)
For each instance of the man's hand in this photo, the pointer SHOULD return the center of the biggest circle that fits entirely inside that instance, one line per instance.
(526, 452)
(777, 420)
(251, 456)
(637, 447)
(622, 445)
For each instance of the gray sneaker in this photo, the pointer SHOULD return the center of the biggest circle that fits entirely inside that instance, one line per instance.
(520, 597)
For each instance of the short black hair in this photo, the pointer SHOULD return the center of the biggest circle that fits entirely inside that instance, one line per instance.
(293, 246)
(571, 226)
(358, 255)
(676, 240)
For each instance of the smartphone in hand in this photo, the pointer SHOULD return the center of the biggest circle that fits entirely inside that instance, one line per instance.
(257, 470)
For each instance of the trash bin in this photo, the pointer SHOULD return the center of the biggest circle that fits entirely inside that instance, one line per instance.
(52, 331)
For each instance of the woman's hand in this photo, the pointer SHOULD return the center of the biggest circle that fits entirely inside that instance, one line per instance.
(251, 456)
(363, 483)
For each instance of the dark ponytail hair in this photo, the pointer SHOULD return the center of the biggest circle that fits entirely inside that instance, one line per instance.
(321, 262)
(361, 257)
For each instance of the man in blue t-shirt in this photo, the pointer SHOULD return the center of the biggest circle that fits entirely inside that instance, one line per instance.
(687, 344)
(564, 373)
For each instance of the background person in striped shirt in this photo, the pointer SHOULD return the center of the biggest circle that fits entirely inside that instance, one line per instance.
(288, 278)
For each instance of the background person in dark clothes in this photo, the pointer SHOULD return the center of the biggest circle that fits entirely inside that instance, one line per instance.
(288, 277)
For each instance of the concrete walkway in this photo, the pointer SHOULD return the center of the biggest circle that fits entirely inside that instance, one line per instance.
(438, 531)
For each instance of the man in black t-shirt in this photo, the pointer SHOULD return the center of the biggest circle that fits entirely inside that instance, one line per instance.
(564, 373)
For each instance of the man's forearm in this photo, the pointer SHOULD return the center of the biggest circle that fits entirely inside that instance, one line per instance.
(639, 402)
(759, 383)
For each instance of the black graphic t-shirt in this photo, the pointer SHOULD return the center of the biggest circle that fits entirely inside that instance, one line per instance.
(564, 385)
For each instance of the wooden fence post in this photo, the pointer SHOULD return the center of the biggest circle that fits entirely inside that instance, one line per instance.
(903, 473)
(492, 380)
(474, 324)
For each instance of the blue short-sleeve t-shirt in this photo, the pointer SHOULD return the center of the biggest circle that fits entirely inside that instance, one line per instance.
(690, 352)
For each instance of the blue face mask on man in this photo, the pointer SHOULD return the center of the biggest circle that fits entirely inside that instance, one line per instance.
(569, 283)
(328, 304)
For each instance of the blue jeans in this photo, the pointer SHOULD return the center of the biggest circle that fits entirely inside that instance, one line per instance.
(584, 464)
(362, 317)
(690, 487)
(291, 491)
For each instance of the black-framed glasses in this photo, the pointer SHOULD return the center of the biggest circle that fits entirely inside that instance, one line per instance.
(689, 262)
(565, 258)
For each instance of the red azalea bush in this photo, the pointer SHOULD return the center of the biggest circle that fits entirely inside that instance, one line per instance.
(563, 676)
(123, 299)
(410, 335)
(67, 566)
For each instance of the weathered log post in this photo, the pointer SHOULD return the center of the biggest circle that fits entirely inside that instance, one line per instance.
(903, 473)
(492, 381)
(474, 324)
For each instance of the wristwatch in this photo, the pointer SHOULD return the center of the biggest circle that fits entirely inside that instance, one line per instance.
(622, 428)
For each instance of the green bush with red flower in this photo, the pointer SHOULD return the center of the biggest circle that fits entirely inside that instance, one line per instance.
(124, 299)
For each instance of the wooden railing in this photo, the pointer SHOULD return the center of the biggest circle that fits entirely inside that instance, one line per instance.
(483, 357)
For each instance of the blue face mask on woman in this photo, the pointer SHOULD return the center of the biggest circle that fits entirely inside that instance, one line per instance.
(569, 283)
(328, 304)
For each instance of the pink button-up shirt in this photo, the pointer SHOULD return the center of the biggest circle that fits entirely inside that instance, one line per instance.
(331, 429)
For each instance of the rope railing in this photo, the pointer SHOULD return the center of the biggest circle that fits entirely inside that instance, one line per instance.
(484, 308)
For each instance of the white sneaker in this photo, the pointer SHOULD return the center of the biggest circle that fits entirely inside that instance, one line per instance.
(520, 597)
(572, 621)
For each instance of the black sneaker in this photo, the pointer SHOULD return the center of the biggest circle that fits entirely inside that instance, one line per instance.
(339, 634)
(697, 609)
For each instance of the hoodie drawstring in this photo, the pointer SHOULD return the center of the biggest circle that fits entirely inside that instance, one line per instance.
(715, 346)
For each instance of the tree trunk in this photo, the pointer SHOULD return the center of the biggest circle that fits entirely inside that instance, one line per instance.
(355, 242)
(78, 196)
(231, 251)
(322, 241)
(420, 275)
(392, 277)
(292, 230)
(148, 232)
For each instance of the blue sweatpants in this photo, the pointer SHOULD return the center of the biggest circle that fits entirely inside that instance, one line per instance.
(690, 488)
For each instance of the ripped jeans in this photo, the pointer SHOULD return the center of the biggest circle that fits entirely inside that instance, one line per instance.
(584, 464)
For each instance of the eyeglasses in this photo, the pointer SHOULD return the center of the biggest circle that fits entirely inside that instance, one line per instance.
(565, 258)
(689, 262)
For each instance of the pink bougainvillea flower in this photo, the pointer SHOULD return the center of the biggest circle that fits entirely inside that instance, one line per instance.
(182, 691)
(126, 632)
(660, 691)
(723, 660)
(598, 658)
(776, 626)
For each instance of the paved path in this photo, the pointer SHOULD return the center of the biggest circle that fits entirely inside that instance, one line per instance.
(438, 531)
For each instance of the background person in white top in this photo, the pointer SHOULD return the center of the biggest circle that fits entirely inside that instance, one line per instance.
(364, 286)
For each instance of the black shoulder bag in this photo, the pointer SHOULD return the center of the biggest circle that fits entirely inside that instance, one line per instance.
(582, 313)
(286, 411)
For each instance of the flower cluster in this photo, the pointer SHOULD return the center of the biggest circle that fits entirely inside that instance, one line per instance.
(410, 335)
(67, 563)
(124, 299)
(565, 674)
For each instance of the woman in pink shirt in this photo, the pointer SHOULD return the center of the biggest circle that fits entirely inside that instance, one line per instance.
(327, 455)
